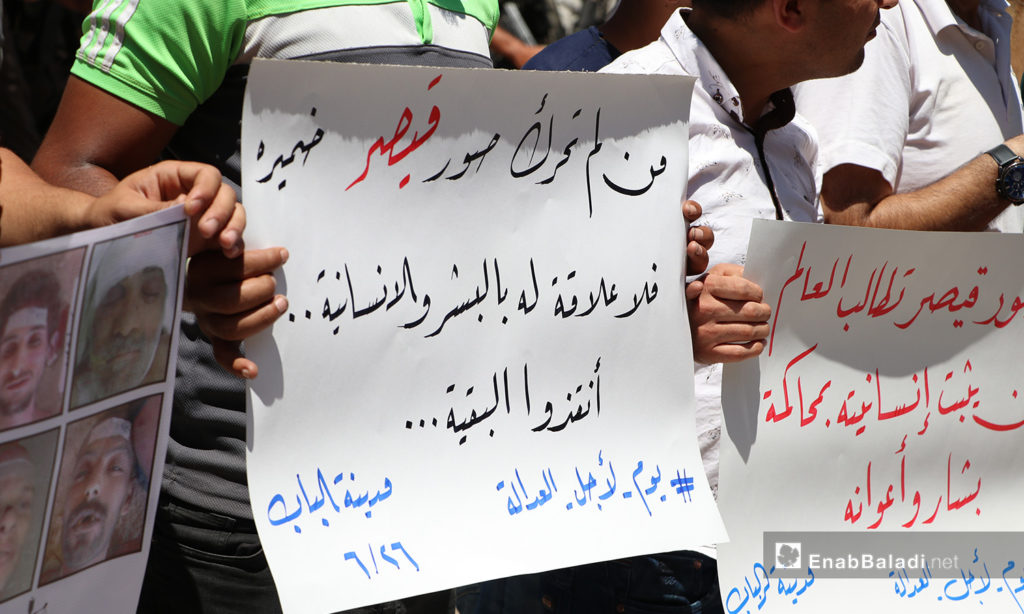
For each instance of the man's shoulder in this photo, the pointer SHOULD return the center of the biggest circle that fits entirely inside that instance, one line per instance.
(164, 57)
(654, 59)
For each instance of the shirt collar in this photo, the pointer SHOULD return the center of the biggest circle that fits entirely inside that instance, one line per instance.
(939, 16)
(697, 60)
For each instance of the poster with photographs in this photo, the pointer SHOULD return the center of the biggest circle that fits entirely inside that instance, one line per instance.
(87, 347)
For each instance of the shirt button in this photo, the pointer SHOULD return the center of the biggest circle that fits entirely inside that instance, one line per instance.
(979, 45)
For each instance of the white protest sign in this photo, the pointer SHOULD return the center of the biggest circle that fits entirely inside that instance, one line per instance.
(485, 369)
(880, 435)
(87, 356)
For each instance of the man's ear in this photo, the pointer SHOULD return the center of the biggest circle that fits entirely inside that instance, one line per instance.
(791, 15)
(53, 347)
(57, 337)
(126, 505)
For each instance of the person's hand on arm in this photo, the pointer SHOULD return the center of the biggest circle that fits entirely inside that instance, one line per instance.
(34, 210)
(964, 200)
(728, 318)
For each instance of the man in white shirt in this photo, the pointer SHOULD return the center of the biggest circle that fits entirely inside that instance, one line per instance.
(742, 168)
(936, 90)
(750, 157)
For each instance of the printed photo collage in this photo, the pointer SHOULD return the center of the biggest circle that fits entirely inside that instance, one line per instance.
(86, 334)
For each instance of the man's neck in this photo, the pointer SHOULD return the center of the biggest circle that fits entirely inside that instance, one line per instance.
(743, 59)
(633, 27)
(967, 10)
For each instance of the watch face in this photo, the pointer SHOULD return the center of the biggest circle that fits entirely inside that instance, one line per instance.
(1012, 183)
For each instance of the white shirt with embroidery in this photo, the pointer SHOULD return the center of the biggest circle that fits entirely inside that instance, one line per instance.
(727, 178)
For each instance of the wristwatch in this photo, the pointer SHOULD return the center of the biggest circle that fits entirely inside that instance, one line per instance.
(1010, 182)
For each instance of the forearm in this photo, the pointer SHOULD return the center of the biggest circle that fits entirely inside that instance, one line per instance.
(965, 200)
(33, 209)
(51, 165)
(512, 48)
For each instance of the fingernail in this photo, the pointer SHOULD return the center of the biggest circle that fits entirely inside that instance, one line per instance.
(208, 227)
(689, 209)
(700, 250)
(231, 237)
(281, 303)
(284, 255)
(698, 234)
(246, 373)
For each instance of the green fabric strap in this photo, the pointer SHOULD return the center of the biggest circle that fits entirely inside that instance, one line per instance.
(485, 11)
(421, 14)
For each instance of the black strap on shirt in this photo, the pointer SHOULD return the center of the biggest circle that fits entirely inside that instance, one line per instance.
(779, 116)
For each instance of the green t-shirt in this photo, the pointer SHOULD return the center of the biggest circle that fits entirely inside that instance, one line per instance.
(169, 56)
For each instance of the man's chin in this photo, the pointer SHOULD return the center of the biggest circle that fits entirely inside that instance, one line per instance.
(124, 371)
(857, 63)
(8, 561)
(125, 362)
(85, 540)
(16, 406)
(82, 556)
(117, 383)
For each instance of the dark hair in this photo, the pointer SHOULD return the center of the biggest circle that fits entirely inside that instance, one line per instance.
(36, 288)
(726, 8)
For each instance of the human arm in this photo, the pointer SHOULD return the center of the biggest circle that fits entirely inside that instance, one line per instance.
(35, 210)
(97, 138)
(728, 318)
(121, 109)
(133, 83)
(231, 299)
(516, 51)
(964, 200)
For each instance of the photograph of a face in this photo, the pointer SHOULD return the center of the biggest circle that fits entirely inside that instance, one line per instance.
(99, 510)
(35, 308)
(26, 466)
(127, 314)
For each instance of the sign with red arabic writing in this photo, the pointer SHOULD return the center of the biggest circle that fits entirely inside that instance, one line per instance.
(888, 399)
